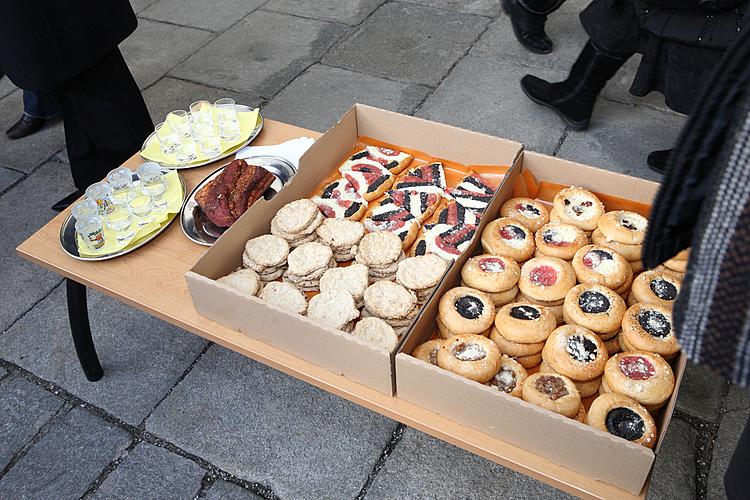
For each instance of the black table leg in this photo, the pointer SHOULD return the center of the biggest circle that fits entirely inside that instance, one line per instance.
(78, 313)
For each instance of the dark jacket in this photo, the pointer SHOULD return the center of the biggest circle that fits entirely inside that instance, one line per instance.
(46, 42)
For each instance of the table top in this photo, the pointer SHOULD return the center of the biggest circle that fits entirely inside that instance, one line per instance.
(152, 279)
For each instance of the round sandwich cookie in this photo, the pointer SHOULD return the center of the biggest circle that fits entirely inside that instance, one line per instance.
(514, 349)
(388, 300)
(508, 237)
(525, 323)
(643, 376)
(265, 252)
(427, 351)
(376, 332)
(575, 352)
(624, 227)
(510, 378)
(601, 266)
(546, 279)
(554, 392)
(648, 327)
(528, 212)
(379, 249)
(594, 307)
(622, 417)
(421, 272)
(464, 310)
(353, 279)
(334, 309)
(579, 207)
(472, 356)
(561, 240)
(284, 295)
(653, 287)
(586, 388)
(245, 281)
(491, 273)
(631, 253)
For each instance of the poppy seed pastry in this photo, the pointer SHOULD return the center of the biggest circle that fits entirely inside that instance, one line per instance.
(561, 240)
(472, 356)
(491, 273)
(508, 237)
(601, 266)
(621, 416)
(575, 352)
(466, 311)
(528, 212)
(648, 327)
(624, 227)
(594, 307)
(427, 351)
(577, 206)
(554, 392)
(509, 378)
(525, 323)
(546, 279)
(654, 287)
(643, 376)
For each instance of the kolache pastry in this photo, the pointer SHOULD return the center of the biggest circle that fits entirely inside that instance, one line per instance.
(622, 417)
(561, 240)
(266, 255)
(602, 266)
(642, 376)
(526, 351)
(245, 281)
(446, 240)
(297, 221)
(284, 295)
(427, 351)
(334, 309)
(392, 303)
(528, 212)
(554, 306)
(368, 178)
(380, 252)
(654, 287)
(546, 279)
(632, 253)
(648, 327)
(525, 323)
(624, 227)
(353, 279)
(472, 356)
(394, 161)
(575, 352)
(377, 332)
(421, 274)
(586, 388)
(554, 392)
(508, 237)
(463, 310)
(307, 263)
(495, 275)
(509, 378)
(342, 236)
(594, 307)
(678, 263)
(577, 206)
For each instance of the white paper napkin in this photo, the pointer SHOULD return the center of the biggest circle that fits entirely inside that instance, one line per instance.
(291, 150)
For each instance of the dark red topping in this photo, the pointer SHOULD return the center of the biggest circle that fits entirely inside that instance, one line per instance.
(469, 307)
(625, 423)
(449, 240)
(637, 367)
(543, 275)
(491, 265)
(511, 232)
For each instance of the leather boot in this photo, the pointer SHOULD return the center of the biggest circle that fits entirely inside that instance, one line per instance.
(574, 98)
(659, 160)
(528, 27)
(67, 201)
(25, 126)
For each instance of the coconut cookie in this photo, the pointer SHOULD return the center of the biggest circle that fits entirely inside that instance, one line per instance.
(342, 236)
(653, 287)
(266, 255)
(392, 303)
(594, 307)
(421, 274)
(623, 227)
(472, 356)
(575, 352)
(643, 376)
(546, 279)
(528, 212)
(464, 310)
(577, 206)
(508, 237)
(648, 327)
(427, 351)
(380, 252)
(586, 388)
(561, 240)
(245, 281)
(353, 279)
(553, 392)
(510, 378)
(297, 221)
(525, 323)
(307, 263)
(377, 332)
(622, 417)
(284, 295)
(334, 309)
(601, 266)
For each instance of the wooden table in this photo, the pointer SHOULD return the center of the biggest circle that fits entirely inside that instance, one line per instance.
(152, 279)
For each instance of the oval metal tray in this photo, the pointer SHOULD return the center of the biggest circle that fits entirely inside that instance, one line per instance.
(68, 232)
(194, 223)
(220, 156)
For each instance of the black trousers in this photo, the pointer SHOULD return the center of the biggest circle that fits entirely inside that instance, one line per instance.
(541, 6)
(105, 119)
(737, 477)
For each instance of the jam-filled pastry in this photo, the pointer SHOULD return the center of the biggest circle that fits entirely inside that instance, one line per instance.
(586, 388)
(472, 356)
(455, 214)
(341, 189)
(490, 273)
(445, 240)
(472, 193)
(396, 219)
(561, 240)
(428, 178)
(420, 204)
(525, 323)
(427, 351)
(508, 237)
(512, 348)
(622, 417)
(510, 378)
(630, 252)
(370, 180)
(577, 206)
(394, 161)
(341, 208)
(642, 376)
(601, 266)
(465, 310)
(554, 392)
(624, 227)
(594, 307)
(654, 287)
(575, 352)
(546, 279)
(528, 212)
(648, 327)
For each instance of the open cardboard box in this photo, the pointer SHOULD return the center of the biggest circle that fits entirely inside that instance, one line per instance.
(331, 349)
(564, 441)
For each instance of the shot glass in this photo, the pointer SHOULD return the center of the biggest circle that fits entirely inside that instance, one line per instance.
(207, 137)
(101, 193)
(186, 151)
(226, 116)
(168, 138)
(121, 221)
(140, 207)
(153, 184)
(201, 112)
(85, 208)
(91, 230)
(121, 182)
(179, 121)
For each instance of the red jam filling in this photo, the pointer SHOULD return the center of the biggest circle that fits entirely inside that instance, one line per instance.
(388, 152)
(637, 367)
(512, 233)
(491, 265)
(543, 275)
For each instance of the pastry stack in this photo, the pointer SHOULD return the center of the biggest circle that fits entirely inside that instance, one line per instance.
(598, 309)
(296, 222)
(577, 353)
(245, 281)
(266, 255)
(600, 265)
(495, 275)
(544, 281)
(342, 236)
(380, 252)
(465, 311)
(307, 263)
(421, 274)
(623, 232)
(654, 287)
(353, 279)
(577, 206)
(392, 303)
(335, 309)
(677, 265)
(520, 331)
(642, 376)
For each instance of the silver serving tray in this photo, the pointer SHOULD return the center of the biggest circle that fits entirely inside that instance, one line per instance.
(194, 223)
(68, 232)
(220, 156)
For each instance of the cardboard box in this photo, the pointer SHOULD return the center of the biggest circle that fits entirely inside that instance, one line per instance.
(331, 349)
(564, 441)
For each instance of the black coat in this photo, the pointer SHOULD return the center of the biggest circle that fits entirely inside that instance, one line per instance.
(46, 42)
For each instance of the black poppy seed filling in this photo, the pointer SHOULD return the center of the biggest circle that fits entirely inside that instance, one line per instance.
(531, 208)
(524, 312)
(625, 423)
(328, 191)
(353, 208)
(421, 248)
(655, 323)
(549, 235)
(476, 182)
(423, 201)
(602, 254)
(566, 201)
(391, 165)
(518, 233)
(663, 289)
(361, 154)
(593, 302)
(378, 182)
(469, 307)
(628, 225)
(582, 349)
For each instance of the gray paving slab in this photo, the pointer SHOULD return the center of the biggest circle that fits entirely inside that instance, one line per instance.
(224, 490)
(142, 356)
(139, 5)
(408, 42)
(29, 152)
(321, 95)
(155, 48)
(23, 210)
(674, 469)
(264, 426)
(487, 98)
(201, 14)
(66, 460)
(8, 177)
(482, 7)
(736, 399)
(3, 372)
(149, 471)
(730, 429)
(423, 467)
(6, 86)
(700, 393)
(350, 12)
(25, 408)
(260, 54)
(620, 138)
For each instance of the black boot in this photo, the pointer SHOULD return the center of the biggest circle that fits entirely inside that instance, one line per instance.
(574, 98)
(25, 126)
(67, 201)
(528, 27)
(659, 160)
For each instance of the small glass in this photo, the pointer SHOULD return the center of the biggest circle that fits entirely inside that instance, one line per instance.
(186, 151)
(179, 121)
(101, 193)
(153, 184)
(140, 207)
(120, 220)
(85, 208)
(168, 138)
(91, 230)
(206, 135)
(121, 182)
(201, 112)
(226, 116)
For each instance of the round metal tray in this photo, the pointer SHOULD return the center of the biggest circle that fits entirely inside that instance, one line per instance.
(68, 232)
(194, 223)
(223, 154)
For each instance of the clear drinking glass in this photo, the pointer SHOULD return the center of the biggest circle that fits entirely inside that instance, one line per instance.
(168, 138)
(140, 206)
(206, 135)
(91, 230)
(202, 112)
(179, 122)
(153, 184)
(101, 193)
(121, 182)
(186, 151)
(121, 221)
(226, 116)
(85, 208)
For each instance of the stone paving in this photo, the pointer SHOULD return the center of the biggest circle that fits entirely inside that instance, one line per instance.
(178, 417)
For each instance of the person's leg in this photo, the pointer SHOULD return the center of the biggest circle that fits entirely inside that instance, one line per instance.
(737, 476)
(39, 107)
(528, 18)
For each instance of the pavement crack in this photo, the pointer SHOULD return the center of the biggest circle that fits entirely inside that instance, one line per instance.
(398, 433)
(560, 141)
(109, 469)
(32, 306)
(704, 448)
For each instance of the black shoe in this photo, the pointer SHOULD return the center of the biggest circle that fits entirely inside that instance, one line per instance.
(528, 27)
(573, 99)
(67, 201)
(24, 127)
(659, 160)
